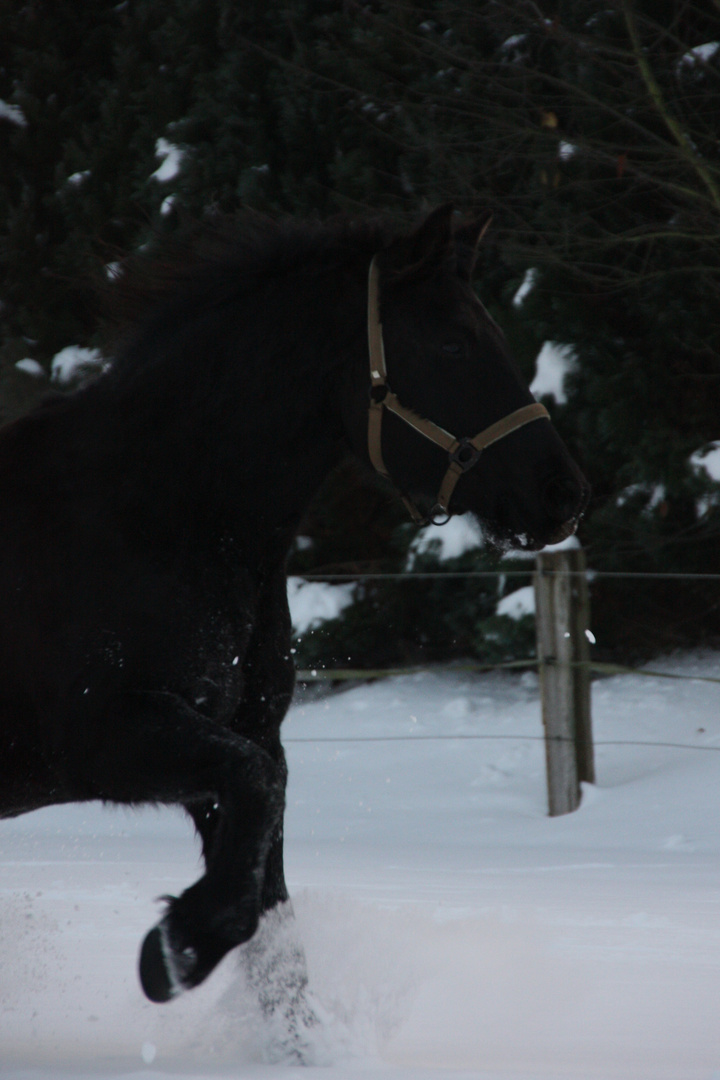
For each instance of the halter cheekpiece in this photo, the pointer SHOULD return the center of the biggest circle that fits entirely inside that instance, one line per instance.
(462, 453)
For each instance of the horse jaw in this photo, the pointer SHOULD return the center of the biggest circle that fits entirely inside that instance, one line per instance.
(565, 531)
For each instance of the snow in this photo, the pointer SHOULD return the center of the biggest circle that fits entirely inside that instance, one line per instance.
(702, 53)
(655, 495)
(553, 363)
(568, 544)
(312, 602)
(77, 178)
(31, 367)
(512, 48)
(527, 284)
(13, 113)
(171, 158)
(517, 604)
(452, 929)
(513, 41)
(707, 460)
(70, 363)
(630, 492)
(448, 541)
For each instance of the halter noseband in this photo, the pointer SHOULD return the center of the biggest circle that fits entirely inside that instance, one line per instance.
(462, 453)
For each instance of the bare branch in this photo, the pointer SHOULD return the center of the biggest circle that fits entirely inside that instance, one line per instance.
(681, 137)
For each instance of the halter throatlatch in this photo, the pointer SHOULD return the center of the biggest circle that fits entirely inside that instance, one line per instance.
(462, 453)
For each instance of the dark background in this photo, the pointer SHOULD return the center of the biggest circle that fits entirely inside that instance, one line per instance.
(590, 129)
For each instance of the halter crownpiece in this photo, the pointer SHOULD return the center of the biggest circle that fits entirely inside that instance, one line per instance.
(462, 453)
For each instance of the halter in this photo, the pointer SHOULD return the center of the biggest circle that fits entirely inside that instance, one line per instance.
(462, 453)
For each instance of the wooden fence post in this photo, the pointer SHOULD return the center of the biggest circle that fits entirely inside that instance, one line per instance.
(562, 615)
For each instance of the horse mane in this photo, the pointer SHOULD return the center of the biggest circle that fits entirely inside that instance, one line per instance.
(209, 264)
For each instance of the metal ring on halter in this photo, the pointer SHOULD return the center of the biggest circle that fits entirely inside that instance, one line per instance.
(433, 517)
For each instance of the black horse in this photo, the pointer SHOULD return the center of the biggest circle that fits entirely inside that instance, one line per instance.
(146, 520)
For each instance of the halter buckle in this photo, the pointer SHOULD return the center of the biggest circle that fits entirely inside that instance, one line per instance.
(466, 455)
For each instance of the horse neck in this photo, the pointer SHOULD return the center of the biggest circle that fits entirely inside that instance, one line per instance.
(242, 414)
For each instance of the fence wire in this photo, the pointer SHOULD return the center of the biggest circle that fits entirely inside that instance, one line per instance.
(364, 674)
(367, 674)
(418, 575)
(469, 737)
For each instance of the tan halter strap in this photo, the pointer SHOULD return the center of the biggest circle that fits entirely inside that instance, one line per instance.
(462, 453)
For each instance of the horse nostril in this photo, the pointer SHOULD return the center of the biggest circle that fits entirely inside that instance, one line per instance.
(564, 498)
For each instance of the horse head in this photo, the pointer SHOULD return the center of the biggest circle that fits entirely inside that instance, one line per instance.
(451, 421)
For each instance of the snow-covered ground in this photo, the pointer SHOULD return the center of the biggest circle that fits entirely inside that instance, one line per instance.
(451, 928)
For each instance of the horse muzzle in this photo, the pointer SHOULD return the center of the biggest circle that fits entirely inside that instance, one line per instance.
(565, 500)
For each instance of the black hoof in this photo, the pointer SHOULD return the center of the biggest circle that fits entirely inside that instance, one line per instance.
(155, 978)
(169, 964)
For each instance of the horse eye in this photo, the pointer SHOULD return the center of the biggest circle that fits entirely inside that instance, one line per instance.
(452, 349)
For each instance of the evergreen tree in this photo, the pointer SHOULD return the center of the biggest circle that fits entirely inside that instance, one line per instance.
(591, 129)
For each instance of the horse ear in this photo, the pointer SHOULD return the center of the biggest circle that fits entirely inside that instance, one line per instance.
(434, 236)
(467, 241)
(427, 245)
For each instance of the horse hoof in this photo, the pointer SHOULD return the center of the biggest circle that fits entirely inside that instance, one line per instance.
(169, 964)
(155, 978)
(166, 971)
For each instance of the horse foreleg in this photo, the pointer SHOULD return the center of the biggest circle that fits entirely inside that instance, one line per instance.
(163, 751)
(207, 817)
(219, 911)
(273, 960)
